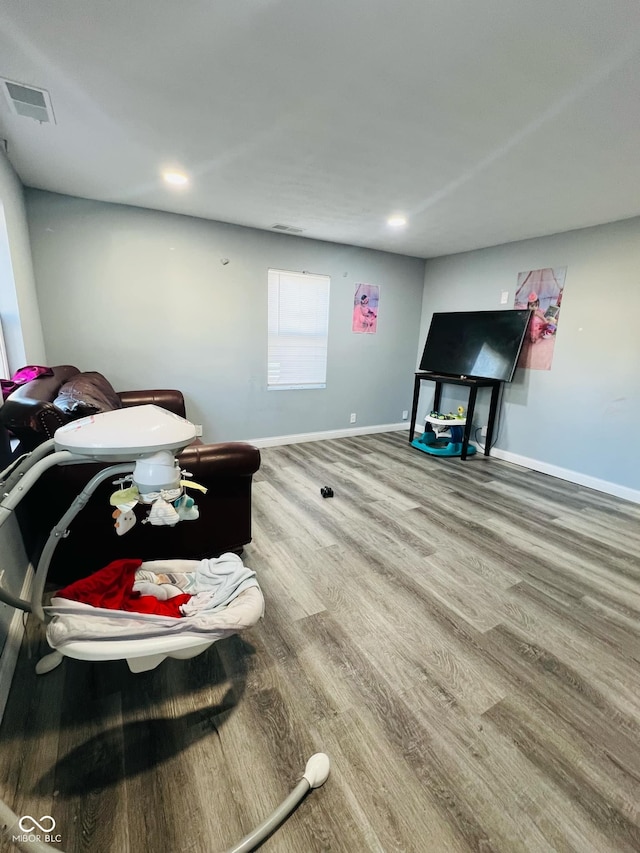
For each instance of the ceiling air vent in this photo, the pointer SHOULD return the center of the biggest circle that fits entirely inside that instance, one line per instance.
(289, 229)
(28, 101)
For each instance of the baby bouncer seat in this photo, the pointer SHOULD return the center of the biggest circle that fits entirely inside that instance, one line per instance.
(233, 601)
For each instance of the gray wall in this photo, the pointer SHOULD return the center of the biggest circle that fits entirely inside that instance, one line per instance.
(583, 414)
(142, 297)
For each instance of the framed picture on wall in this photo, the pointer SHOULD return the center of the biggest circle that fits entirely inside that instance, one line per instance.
(366, 300)
(541, 291)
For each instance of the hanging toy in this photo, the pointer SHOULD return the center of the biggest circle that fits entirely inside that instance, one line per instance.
(186, 508)
(124, 520)
(124, 501)
(125, 497)
(189, 484)
(168, 506)
(162, 514)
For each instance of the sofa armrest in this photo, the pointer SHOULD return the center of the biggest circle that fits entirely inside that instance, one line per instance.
(231, 458)
(166, 398)
(29, 414)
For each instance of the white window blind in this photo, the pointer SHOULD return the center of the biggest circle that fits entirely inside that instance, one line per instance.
(298, 310)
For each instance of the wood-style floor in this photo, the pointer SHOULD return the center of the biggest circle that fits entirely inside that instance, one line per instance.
(461, 638)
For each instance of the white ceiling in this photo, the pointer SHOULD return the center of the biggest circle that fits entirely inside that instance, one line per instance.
(484, 121)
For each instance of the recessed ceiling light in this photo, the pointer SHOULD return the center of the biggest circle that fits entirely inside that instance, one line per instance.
(397, 221)
(177, 179)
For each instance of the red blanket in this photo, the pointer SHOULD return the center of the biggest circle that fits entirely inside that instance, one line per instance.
(112, 589)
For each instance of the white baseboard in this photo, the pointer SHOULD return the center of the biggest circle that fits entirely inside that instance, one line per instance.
(576, 477)
(12, 645)
(301, 437)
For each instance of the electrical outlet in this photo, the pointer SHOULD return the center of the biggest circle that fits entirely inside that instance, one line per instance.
(198, 429)
(483, 432)
(352, 419)
(405, 415)
(504, 297)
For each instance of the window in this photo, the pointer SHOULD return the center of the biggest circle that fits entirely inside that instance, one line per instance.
(4, 364)
(298, 330)
(8, 295)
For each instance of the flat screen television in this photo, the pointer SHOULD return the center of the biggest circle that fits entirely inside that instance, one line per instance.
(479, 344)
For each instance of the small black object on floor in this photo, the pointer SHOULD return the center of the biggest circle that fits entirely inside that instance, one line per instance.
(326, 492)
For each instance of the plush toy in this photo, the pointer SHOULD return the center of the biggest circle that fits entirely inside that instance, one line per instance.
(125, 519)
(162, 514)
(167, 507)
(186, 508)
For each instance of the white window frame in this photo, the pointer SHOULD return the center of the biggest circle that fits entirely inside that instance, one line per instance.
(4, 361)
(298, 330)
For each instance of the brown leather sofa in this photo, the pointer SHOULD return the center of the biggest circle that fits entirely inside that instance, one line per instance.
(225, 469)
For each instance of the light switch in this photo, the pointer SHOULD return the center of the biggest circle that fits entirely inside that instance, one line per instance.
(504, 298)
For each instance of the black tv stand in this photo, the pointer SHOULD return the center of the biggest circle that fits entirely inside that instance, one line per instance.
(472, 383)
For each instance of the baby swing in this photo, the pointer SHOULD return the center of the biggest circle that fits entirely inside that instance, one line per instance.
(141, 443)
